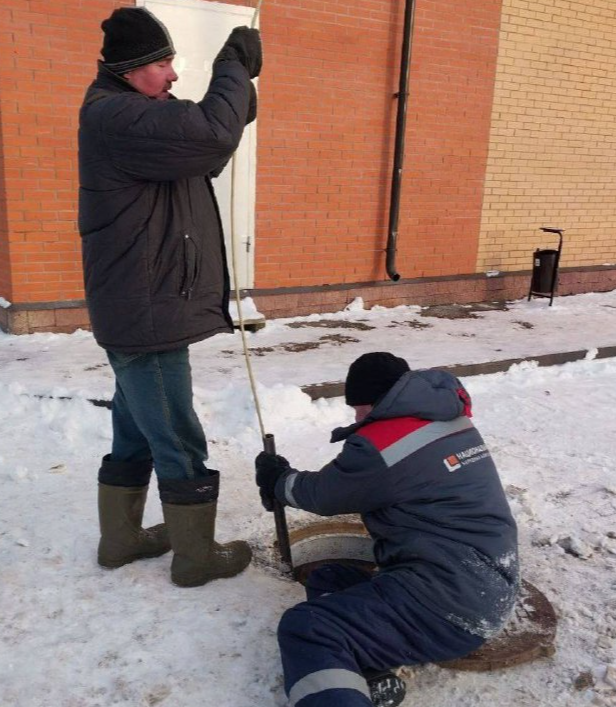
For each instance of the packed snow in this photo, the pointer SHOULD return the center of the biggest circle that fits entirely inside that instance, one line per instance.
(75, 635)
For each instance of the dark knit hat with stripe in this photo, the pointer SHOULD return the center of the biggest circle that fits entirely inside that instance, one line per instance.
(134, 38)
(371, 376)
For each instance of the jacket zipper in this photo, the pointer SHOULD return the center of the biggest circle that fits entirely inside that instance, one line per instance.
(190, 267)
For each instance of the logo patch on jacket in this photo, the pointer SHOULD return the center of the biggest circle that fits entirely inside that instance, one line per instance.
(469, 456)
(452, 463)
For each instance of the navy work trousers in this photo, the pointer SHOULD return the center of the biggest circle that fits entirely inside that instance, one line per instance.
(153, 415)
(355, 622)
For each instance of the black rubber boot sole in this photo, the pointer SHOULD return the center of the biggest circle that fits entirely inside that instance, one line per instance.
(115, 564)
(201, 580)
(386, 690)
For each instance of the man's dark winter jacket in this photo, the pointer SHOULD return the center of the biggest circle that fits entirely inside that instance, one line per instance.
(153, 251)
(429, 494)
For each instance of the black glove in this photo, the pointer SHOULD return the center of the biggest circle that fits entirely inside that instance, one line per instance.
(252, 106)
(243, 45)
(270, 467)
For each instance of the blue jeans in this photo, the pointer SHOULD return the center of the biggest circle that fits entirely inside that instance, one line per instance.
(153, 416)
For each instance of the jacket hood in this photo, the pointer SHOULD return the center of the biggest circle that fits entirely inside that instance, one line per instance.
(427, 395)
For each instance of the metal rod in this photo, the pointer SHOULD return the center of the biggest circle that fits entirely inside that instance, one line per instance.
(269, 444)
(396, 182)
(255, 16)
(282, 532)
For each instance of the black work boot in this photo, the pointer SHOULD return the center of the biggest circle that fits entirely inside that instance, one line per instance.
(189, 508)
(386, 689)
(122, 492)
(123, 540)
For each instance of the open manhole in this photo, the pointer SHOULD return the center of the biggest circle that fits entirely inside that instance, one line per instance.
(528, 635)
(346, 543)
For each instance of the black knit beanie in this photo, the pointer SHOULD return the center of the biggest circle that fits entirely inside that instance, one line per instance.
(371, 376)
(133, 38)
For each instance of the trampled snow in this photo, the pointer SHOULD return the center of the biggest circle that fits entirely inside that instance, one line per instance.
(75, 635)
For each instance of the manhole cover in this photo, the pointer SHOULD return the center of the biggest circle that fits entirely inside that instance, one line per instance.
(529, 635)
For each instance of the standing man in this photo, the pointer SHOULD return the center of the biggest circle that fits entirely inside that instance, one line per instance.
(445, 542)
(156, 280)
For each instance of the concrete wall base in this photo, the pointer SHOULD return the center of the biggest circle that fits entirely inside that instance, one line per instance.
(426, 291)
(66, 317)
(57, 317)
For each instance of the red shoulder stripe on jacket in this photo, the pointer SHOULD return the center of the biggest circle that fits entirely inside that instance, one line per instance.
(384, 433)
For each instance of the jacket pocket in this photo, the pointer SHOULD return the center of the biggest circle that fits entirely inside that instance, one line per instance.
(190, 266)
(119, 360)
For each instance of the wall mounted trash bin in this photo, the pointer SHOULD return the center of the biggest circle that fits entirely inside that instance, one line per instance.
(544, 276)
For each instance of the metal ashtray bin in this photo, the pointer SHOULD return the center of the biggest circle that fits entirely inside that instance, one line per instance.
(544, 276)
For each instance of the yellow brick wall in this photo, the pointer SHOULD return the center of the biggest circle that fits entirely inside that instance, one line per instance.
(552, 154)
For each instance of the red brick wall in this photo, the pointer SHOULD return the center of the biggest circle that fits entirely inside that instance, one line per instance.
(326, 136)
(452, 85)
(48, 53)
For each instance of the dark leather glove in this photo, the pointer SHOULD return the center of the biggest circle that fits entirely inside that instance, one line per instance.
(270, 467)
(252, 106)
(243, 45)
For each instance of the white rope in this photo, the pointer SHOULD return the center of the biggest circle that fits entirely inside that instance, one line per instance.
(256, 15)
(235, 278)
(239, 308)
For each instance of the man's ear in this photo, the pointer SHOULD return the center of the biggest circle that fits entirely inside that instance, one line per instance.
(362, 411)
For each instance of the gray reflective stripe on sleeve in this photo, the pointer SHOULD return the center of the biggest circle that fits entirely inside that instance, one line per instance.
(333, 678)
(288, 490)
(422, 437)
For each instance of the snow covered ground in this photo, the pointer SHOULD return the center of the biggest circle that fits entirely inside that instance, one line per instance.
(75, 635)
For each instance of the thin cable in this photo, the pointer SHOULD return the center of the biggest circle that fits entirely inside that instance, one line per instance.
(239, 306)
(236, 287)
(256, 15)
(282, 532)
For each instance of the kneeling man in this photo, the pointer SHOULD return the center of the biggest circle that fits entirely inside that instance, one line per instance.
(445, 543)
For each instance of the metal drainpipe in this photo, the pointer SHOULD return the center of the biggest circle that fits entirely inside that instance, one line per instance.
(396, 182)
